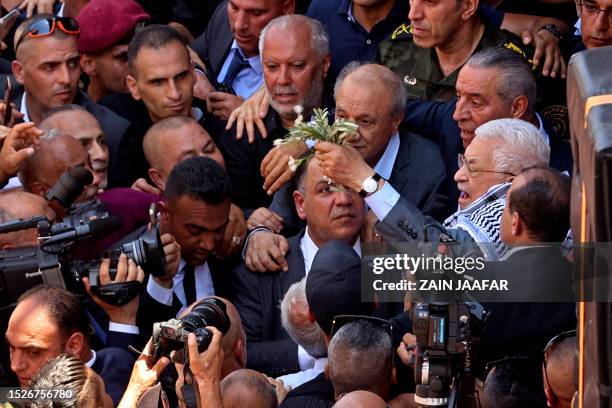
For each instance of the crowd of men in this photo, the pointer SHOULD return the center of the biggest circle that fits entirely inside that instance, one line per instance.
(462, 136)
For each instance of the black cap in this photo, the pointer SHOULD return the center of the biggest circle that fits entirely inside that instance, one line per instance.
(333, 285)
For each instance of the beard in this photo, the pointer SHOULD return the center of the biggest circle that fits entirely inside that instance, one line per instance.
(311, 100)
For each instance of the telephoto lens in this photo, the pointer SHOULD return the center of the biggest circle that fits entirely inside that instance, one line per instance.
(170, 338)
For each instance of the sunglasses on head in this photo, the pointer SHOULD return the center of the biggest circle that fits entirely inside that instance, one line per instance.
(47, 26)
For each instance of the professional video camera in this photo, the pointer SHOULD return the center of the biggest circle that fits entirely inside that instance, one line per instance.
(447, 335)
(52, 263)
(170, 338)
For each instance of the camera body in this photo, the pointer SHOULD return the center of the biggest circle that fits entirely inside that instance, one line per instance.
(446, 336)
(170, 338)
(52, 262)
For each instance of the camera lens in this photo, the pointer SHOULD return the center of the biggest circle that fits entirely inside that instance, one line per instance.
(148, 252)
(209, 312)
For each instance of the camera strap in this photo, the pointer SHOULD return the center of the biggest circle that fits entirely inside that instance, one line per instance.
(188, 391)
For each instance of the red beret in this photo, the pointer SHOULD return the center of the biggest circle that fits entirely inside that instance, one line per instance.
(104, 23)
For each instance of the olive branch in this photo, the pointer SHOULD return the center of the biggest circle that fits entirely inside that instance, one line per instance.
(318, 129)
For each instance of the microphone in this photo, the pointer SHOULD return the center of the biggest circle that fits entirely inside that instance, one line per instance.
(94, 228)
(70, 186)
(18, 225)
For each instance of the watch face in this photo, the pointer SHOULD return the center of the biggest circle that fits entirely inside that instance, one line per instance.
(369, 185)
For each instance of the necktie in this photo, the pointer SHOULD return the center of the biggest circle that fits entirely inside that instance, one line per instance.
(238, 64)
(189, 285)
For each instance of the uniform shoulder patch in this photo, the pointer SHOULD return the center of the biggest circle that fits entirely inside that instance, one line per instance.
(402, 31)
(511, 45)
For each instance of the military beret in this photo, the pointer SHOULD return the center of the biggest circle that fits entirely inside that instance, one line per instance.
(333, 285)
(106, 23)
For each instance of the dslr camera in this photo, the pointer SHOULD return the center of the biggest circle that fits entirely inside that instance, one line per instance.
(170, 338)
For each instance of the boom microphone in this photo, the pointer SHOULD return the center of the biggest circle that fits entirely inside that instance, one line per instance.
(70, 186)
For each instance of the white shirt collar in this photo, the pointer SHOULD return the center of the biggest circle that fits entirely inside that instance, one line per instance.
(310, 249)
(254, 61)
(384, 166)
(320, 364)
(542, 129)
(92, 360)
(60, 12)
(24, 108)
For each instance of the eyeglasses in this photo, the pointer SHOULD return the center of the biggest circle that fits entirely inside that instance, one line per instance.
(551, 344)
(593, 10)
(472, 172)
(47, 26)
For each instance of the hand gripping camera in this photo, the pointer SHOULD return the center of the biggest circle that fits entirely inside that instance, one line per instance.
(170, 338)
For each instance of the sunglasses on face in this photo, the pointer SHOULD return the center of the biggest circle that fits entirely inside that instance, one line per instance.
(47, 26)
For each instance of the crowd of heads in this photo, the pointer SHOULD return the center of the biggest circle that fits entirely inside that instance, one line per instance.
(111, 86)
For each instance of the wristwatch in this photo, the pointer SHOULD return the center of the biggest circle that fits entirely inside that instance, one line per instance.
(369, 185)
(554, 30)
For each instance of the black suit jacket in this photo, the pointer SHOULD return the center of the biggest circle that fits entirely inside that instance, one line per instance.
(114, 365)
(524, 328)
(418, 175)
(316, 393)
(151, 311)
(257, 298)
(214, 45)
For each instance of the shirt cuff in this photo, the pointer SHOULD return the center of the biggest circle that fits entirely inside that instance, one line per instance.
(383, 201)
(304, 359)
(159, 293)
(123, 328)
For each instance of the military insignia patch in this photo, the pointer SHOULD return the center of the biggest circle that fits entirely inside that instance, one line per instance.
(403, 29)
(512, 46)
(410, 80)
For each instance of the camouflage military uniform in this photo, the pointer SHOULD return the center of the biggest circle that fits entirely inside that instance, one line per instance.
(419, 69)
(423, 79)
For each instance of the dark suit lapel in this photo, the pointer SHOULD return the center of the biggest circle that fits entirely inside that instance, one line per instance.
(295, 258)
(399, 174)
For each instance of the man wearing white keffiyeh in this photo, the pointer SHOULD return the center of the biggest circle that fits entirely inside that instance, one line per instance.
(500, 150)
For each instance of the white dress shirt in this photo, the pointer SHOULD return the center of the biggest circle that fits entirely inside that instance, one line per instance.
(203, 281)
(92, 360)
(296, 379)
(249, 79)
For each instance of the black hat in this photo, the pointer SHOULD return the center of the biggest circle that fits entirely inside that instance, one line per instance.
(333, 285)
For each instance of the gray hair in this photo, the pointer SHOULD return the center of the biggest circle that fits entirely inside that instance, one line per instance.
(359, 357)
(295, 307)
(514, 76)
(319, 40)
(375, 75)
(519, 144)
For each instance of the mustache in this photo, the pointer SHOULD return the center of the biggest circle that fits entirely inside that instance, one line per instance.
(340, 212)
(284, 90)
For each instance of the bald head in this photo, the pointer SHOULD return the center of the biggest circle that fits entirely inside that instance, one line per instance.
(175, 139)
(247, 385)
(18, 204)
(560, 371)
(56, 154)
(233, 342)
(375, 77)
(360, 399)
